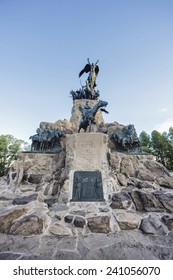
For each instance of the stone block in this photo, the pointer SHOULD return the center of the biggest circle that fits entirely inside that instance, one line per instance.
(25, 199)
(153, 225)
(68, 218)
(121, 200)
(166, 199)
(127, 220)
(9, 256)
(99, 224)
(27, 225)
(7, 218)
(79, 222)
(146, 201)
(59, 230)
(168, 221)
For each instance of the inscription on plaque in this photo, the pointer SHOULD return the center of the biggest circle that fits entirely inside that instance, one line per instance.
(88, 152)
(87, 186)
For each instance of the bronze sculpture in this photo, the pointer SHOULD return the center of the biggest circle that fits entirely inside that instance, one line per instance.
(88, 91)
(126, 139)
(88, 114)
(46, 140)
(87, 186)
(93, 71)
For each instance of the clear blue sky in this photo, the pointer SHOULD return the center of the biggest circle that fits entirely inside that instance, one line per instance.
(45, 43)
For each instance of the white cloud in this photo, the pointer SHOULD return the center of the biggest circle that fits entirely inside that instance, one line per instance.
(163, 110)
(164, 126)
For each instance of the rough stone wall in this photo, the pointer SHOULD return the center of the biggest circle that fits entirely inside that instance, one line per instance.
(38, 221)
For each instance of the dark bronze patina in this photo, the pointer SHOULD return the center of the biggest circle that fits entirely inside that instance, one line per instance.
(87, 186)
(88, 114)
(46, 140)
(88, 91)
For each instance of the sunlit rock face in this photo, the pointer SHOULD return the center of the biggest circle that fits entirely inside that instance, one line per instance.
(40, 220)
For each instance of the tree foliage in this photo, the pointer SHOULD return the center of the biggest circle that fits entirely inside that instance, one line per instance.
(160, 145)
(9, 150)
(145, 141)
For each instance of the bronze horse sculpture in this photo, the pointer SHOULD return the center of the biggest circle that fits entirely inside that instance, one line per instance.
(88, 115)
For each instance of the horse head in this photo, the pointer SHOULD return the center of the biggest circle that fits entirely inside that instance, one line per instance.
(102, 103)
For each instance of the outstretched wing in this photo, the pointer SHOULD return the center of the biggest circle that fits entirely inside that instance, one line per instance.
(96, 69)
(86, 69)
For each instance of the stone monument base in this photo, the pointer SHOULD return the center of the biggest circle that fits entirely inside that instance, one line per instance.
(38, 220)
(87, 152)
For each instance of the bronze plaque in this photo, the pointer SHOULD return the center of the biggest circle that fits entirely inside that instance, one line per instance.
(87, 186)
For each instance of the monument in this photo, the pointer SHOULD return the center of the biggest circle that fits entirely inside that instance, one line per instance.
(86, 191)
(86, 153)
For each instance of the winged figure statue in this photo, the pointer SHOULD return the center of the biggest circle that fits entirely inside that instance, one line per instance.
(93, 70)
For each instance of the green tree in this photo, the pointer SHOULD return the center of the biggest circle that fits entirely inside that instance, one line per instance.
(145, 141)
(160, 145)
(171, 134)
(9, 150)
(163, 148)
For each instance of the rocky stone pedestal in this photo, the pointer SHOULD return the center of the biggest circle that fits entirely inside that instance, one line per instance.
(38, 220)
(87, 152)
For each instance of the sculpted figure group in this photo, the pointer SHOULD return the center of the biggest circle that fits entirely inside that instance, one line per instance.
(46, 140)
(88, 91)
(126, 139)
(87, 186)
(88, 114)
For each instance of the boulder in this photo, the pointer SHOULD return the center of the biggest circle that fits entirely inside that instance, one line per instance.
(153, 225)
(168, 221)
(121, 200)
(35, 178)
(165, 181)
(155, 167)
(79, 222)
(140, 184)
(25, 199)
(127, 220)
(145, 175)
(37, 168)
(99, 224)
(51, 201)
(9, 216)
(59, 230)
(27, 225)
(68, 218)
(52, 188)
(127, 165)
(146, 201)
(122, 179)
(166, 199)
(142, 167)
